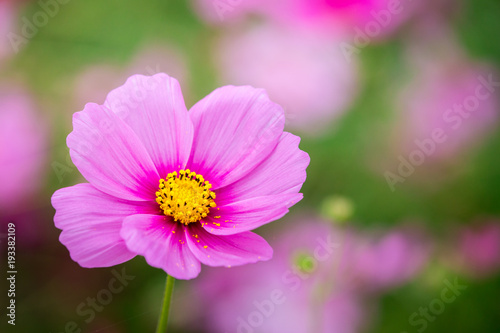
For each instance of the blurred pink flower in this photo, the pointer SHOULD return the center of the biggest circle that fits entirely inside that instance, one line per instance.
(23, 149)
(344, 312)
(95, 81)
(451, 103)
(305, 73)
(280, 295)
(321, 279)
(375, 18)
(479, 249)
(391, 260)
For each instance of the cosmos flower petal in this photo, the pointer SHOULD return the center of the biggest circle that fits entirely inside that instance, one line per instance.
(284, 171)
(110, 155)
(249, 214)
(91, 221)
(162, 242)
(153, 107)
(236, 128)
(232, 250)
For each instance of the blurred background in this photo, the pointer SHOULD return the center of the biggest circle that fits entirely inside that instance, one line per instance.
(397, 103)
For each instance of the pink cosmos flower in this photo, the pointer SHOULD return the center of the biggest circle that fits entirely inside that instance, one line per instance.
(179, 188)
(23, 148)
(274, 58)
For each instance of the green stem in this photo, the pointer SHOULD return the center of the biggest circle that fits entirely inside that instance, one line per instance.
(163, 320)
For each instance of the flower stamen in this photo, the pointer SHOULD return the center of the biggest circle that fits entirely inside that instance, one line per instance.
(185, 196)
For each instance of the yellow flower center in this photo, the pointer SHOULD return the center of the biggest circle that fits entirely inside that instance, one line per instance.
(185, 196)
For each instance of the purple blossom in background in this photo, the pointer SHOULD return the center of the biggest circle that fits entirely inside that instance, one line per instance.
(372, 19)
(23, 153)
(364, 19)
(392, 259)
(306, 73)
(449, 94)
(478, 249)
(320, 280)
